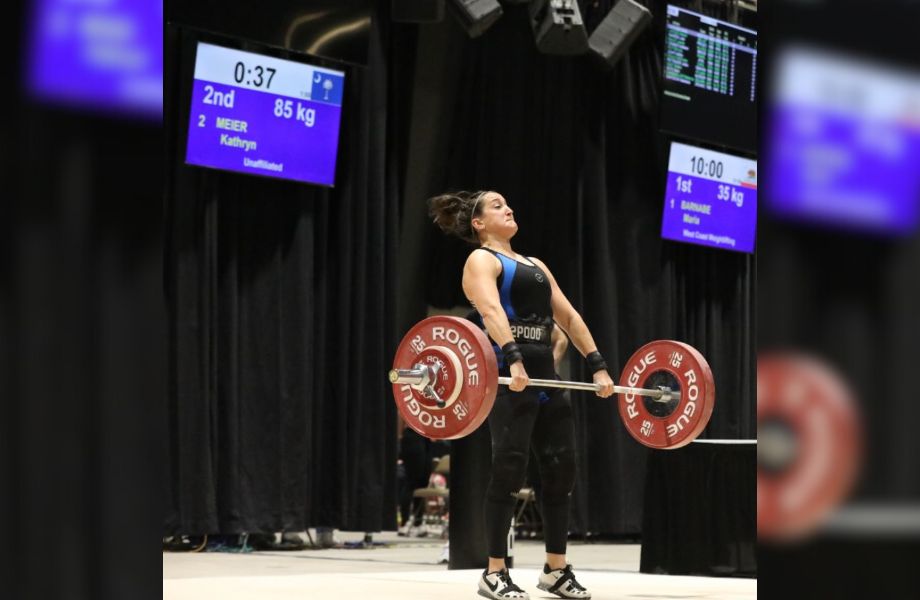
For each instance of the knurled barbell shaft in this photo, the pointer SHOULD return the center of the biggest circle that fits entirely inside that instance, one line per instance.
(417, 376)
(593, 387)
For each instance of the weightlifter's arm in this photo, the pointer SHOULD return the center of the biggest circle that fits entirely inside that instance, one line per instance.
(560, 344)
(479, 275)
(571, 322)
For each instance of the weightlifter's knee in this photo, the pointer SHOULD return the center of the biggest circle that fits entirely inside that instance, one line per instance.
(509, 470)
(558, 472)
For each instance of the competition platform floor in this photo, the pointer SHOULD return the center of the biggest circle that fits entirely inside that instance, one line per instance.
(407, 568)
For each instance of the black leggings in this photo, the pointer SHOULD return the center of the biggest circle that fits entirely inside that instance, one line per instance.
(541, 418)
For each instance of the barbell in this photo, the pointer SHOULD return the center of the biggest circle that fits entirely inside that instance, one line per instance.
(420, 377)
(445, 378)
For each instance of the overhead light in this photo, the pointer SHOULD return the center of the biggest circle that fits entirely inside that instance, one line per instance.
(476, 15)
(558, 27)
(619, 29)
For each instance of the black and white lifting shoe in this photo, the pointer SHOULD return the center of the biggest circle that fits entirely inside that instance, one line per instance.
(498, 586)
(562, 583)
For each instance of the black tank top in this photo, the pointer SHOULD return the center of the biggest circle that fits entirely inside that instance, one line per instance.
(524, 292)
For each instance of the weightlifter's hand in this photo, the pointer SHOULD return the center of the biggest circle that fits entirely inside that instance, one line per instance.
(519, 378)
(602, 378)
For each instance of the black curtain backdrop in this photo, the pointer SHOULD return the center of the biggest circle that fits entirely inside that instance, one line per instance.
(576, 152)
(82, 333)
(701, 511)
(280, 298)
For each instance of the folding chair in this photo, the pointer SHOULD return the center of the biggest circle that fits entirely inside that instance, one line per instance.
(528, 522)
(434, 506)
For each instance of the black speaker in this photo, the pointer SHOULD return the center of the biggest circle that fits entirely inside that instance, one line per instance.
(558, 27)
(619, 29)
(476, 15)
(416, 11)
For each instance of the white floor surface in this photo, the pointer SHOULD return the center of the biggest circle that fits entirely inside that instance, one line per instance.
(407, 569)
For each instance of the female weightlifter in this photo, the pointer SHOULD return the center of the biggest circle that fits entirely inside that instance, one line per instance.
(518, 298)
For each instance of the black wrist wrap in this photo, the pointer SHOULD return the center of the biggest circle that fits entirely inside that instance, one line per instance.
(512, 353)
(596, 362)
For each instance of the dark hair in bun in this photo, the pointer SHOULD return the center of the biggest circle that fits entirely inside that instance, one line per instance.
(453, 212)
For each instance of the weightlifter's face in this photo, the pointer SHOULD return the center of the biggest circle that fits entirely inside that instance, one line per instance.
(497, 217)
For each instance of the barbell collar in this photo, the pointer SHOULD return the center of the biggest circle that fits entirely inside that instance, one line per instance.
(420, 378)
(416, 377)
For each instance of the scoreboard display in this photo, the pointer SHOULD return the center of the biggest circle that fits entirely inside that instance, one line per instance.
(711, 199)
(263, 115)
